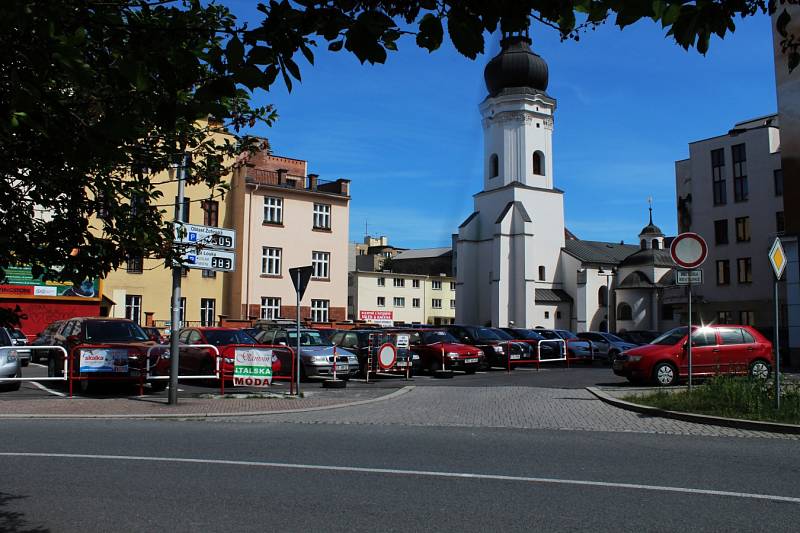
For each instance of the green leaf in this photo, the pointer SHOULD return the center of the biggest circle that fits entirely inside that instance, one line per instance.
(466, 32)
(431, 33)
(234, 51)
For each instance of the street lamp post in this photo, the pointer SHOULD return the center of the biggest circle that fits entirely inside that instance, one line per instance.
(608, 275)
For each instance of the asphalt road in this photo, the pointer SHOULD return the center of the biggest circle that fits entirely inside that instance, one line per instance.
(246, 476)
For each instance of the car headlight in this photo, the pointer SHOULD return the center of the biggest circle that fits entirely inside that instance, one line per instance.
(228, 360)
(415, 357)
(317, 359)
(498, 348)
(634, 358)
(454, 355)
(11, 357)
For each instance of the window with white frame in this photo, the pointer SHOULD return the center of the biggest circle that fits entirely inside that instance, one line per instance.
(273, 210)
(436, 285)
(133, 307)
(320, 261)
(381, 282)
(208, 308)
(381, 301)
(415, 284)
(322, 216)
(415, 303)
(270, 307)
(399, 282)
(452, 285)
(271, 261)
(399, 301)
(319, 310)
(452, 304)
(436, 303)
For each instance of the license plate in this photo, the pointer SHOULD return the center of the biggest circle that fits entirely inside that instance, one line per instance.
(514, 357)
(402, 364)
(341, 367)
(475, 360)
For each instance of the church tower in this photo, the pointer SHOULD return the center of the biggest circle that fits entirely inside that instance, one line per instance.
(511, 244)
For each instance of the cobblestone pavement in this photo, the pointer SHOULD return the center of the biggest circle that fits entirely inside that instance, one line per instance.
(509, 407)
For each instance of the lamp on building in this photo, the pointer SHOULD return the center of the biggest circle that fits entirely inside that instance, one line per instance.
(608, 275)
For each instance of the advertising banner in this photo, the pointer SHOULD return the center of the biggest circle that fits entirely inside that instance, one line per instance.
(21, 283)
(382, 318)
(104, 360)
(252, 367)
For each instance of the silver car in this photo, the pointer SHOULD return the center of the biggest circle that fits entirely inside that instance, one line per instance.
(14, 337)
(9, 368)
(316, 354)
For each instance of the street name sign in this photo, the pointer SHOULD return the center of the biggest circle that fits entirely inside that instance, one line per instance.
(252, 367)
(688, 250)
(210, 236)
(689, 277)
(777, 258)
(209, 259)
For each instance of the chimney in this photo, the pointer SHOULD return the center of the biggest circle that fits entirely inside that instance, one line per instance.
(344, 186)
(312, 181)
(282, 176)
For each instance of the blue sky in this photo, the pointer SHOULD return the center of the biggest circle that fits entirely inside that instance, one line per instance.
(408, 133)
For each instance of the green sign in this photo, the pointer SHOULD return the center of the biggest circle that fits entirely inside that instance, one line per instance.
(21, 283)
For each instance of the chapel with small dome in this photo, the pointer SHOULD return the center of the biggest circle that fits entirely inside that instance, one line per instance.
(515, 262)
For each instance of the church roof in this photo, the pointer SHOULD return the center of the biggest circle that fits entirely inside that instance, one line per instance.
(636, 280)
(552, 296)
(650, 257)
(516, 66)
(607, 253)
(521, 208)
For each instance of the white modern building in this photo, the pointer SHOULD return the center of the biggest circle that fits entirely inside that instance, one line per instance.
(515, 263)
(730, 191)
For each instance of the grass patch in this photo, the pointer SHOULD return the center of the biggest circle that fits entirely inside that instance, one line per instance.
(731, 397)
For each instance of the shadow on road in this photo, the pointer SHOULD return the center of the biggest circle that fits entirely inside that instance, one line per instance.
(13, 520)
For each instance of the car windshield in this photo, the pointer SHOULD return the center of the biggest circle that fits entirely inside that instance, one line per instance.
(308, 338)
(430, 337)
(547, 334)
(564, 334)
(225, 337)
(487, 334)
(671, 338)
(503, 335)
(530, 335)
(613, 338)
(18, 335)
(114, 331)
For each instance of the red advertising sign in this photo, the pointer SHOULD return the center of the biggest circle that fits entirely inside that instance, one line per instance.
(375, 315)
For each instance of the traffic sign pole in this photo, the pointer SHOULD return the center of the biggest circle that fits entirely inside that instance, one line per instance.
(172, 396)
(299, 362)
(777, 351)
(689, 348)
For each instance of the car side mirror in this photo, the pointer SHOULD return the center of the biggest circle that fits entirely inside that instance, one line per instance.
(282, 343)
(73, 339)
(685, 346)
(153, 337)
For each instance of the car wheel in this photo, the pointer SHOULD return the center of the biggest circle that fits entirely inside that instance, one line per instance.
(470, 369)
(759, 369)
(611, 356)
(52, 367)
(207, 369)
(665, 375)
(158, 385)
(24, 363)
(85, 386)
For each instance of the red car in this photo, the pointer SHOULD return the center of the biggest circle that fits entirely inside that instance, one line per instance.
(718, 349)
(433, 344)
(200, 361)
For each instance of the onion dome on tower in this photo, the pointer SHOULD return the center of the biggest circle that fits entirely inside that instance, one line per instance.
(516, 66)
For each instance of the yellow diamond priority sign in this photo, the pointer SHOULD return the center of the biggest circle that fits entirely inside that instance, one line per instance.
(777, 258)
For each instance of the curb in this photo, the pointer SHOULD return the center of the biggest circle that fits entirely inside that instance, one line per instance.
(389, 396)
(736, 423)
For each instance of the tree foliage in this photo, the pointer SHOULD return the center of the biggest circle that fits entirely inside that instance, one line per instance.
(98, 96)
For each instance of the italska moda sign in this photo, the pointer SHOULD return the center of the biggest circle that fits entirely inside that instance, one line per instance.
(252, 367)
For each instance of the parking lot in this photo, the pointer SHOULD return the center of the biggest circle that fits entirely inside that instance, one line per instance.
(554, 376)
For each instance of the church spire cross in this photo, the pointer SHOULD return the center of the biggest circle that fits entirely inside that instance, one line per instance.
(650, 208)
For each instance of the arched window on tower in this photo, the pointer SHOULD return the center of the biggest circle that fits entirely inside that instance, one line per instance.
(644, 244)
(624, 312)
(538, 163)
(541, 273)
(494, 166)
(602, 296)
(656, 244)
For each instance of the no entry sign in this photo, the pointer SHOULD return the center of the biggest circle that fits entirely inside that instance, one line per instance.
(688, 250)
(387, 356)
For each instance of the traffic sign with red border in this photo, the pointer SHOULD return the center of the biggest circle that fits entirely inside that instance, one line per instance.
(688, 250)
(387, 356)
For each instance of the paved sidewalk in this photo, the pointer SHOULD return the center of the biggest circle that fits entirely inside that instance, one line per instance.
(148, 407)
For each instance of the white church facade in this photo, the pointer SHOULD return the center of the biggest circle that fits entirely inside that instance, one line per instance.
(515, 262)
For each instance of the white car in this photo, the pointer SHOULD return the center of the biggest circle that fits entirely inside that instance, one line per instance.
(9, 368)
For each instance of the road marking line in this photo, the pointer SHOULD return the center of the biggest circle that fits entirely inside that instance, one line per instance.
(420, 473)
(42, 387)
(37, 364)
